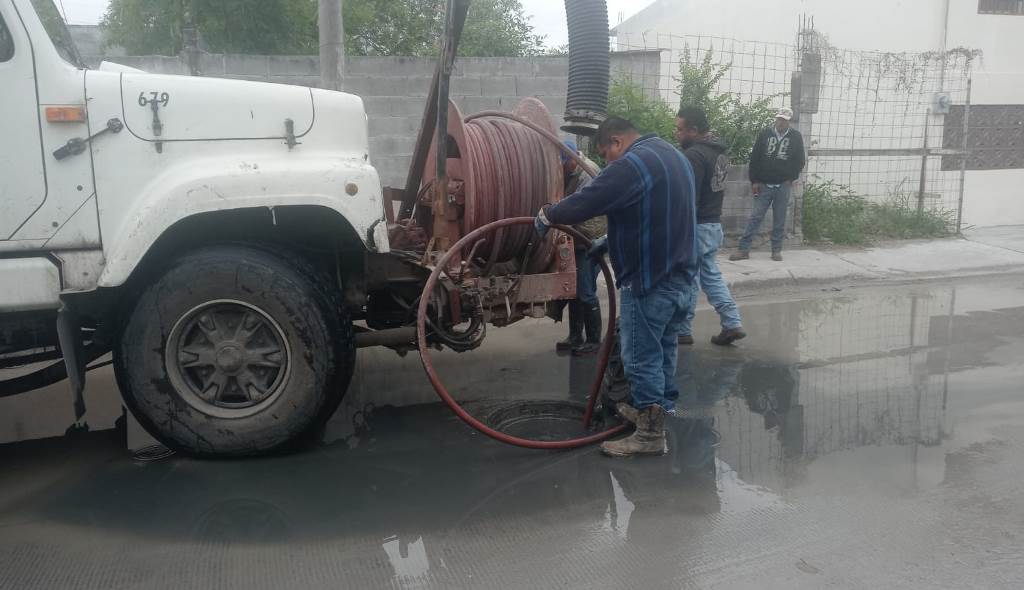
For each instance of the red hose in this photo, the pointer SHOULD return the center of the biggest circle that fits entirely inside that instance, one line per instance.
(602, 362)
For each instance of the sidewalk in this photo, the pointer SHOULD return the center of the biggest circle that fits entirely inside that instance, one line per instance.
(979, 251)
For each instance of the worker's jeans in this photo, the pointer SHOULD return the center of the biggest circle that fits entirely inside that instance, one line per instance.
(776, 197)
(709, 240)
(649, 332)
(586, 279)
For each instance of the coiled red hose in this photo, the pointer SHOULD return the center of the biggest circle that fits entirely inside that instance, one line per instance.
(602, 359)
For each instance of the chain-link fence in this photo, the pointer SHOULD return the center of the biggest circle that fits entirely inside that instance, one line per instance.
(888, 128)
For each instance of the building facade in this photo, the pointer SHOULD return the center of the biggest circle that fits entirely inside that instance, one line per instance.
(994, 177)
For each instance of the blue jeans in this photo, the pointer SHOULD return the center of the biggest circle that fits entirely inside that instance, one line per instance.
(709, 240)
(776, 197)
(649, 332)
(586, 279)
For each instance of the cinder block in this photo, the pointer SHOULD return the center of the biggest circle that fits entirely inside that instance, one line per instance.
(498, 86)
(555, 104)
(474, 104)
(359, 85)
(157, 64)
(392, 169)
(540, 86)
(498, 66)
(391, 145)
(154, 64)
(737, 189)
(405, 126)
(466, 86)
(248, 65)
(294, 65)
(394, 106)
(211, 64)
(551, 66)
(738, 172)
(393, 66)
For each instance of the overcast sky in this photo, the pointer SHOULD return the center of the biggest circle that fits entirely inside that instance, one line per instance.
(547, 16)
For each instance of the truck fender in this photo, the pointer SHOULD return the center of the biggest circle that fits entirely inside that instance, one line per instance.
(351, 188)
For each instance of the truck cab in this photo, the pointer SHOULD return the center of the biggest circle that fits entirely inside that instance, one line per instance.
(211, 234)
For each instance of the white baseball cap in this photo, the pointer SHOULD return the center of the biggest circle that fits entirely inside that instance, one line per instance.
(784, 113)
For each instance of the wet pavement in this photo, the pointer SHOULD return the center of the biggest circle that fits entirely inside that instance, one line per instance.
(861, 439)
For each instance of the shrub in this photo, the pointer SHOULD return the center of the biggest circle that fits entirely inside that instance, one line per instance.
(735, 122)
(834, 213)
(648, 115)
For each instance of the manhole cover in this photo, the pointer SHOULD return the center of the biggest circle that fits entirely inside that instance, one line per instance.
(540, 420)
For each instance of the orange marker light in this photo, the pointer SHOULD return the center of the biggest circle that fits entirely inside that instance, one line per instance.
(65, 114)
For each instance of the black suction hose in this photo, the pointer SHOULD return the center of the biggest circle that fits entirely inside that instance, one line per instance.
(586, 104)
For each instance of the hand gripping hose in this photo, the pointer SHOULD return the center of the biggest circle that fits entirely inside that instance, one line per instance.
(602, 359)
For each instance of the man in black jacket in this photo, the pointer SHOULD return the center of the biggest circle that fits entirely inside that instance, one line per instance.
(710, 164)
(777, 160)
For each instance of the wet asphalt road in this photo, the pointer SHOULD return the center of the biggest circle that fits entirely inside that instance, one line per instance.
(870, 438)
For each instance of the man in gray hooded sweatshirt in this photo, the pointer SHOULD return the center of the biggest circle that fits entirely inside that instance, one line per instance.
(710, 164)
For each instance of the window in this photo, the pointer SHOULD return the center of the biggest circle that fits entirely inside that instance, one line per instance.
(1001, 7)
(6, 43)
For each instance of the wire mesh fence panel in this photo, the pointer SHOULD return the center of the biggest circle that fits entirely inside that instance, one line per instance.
(741, 84)
(887, 128)
(879, 123)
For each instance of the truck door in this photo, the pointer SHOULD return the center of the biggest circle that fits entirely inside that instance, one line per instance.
(22, 175)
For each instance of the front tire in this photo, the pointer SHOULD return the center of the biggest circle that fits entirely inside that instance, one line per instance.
(235, 351)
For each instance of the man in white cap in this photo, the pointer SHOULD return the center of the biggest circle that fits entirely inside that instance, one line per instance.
(777, 160)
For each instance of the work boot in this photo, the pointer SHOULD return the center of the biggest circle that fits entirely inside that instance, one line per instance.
(727, 337)
(740, 255)
(777, 255)
(686, 339)
(647, 439)
(626, 412)
(592, 325)
(575, 329)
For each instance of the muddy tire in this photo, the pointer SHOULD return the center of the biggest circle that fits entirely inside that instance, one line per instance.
(235, 351)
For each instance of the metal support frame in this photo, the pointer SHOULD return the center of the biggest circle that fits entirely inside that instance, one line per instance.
(923, 181)
(965, 149)
(454, 23)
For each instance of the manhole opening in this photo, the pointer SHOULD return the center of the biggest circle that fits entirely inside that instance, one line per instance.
(539, 419)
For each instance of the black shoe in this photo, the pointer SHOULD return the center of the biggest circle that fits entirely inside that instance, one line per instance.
(727, 337)
(686, 339)
(568, 344)
(777, 256)
(586, 349)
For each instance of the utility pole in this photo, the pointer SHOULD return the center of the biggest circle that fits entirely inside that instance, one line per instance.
(332, 45)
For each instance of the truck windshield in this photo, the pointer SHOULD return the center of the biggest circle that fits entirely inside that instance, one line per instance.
(58, 31)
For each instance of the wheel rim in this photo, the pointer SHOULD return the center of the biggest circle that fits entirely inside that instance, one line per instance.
(228, 358)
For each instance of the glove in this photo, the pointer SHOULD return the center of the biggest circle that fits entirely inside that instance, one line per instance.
(598, 248)
(541, 223)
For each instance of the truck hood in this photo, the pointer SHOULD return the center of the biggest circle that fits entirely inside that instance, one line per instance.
(198, 109)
